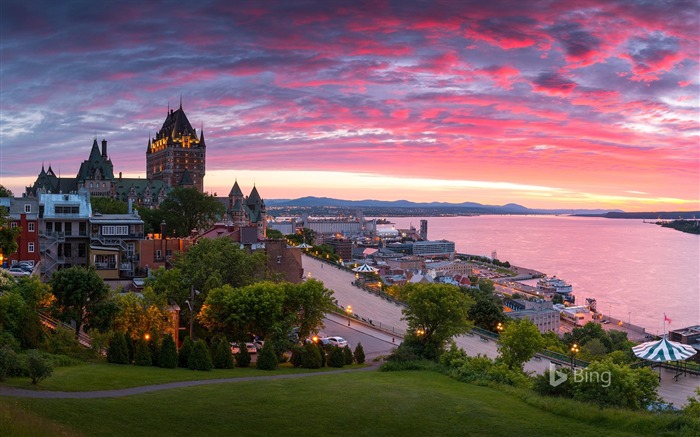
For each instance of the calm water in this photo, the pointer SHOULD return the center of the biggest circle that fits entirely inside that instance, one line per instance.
(635, 270)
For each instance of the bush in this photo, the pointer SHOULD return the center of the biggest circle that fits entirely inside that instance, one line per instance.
(63, 342)
(267, 357)
(336, 357)
(130, 346)
(311, 357)
(348, 355)
(242, 357)
(359, 354)
(154, 348)
(297, 352)
(117, 351)
(37, 366)
(7, 339)
(200, 358)
(183, 355)
(8, 361)
(142, 356)
(168, 353)
(222, 354)
(543, 386)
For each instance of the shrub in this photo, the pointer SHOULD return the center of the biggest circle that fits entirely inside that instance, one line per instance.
(37, 366)
(154, 348)
(543, 386)
(142, 356)
(168, 353)
(419, 364)
(297, 352)
(200, 358)
(311, 357)
(267, 357)
(7, 339)
(183, 355)
(117, 351)
(242, 357)
(348, 355)
(359, 354)
(336, 357)
(222, 358)
(8, 361)
(63, 342)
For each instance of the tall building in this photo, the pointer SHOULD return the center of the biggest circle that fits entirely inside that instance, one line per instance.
(424, 229)
(177, 155)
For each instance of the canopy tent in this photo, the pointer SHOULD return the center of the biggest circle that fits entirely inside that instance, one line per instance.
(364, 268)
(663, 350)
(304, 246)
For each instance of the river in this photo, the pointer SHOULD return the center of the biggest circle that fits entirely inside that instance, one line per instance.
(636, 271)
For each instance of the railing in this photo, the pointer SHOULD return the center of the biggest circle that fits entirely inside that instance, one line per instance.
(54, 324)
(389, 329)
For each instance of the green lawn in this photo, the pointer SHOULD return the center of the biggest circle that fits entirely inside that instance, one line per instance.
(349, 404)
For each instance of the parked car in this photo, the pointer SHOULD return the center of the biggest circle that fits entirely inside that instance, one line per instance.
(16, 271)
(336, 341)
(23, 266)
(250, 347)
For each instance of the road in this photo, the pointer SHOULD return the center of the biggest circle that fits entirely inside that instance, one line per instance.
(370, 306)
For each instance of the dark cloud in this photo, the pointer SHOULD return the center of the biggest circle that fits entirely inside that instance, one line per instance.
(577, 42)
(553, 83)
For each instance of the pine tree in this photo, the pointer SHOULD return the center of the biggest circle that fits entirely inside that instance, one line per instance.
(243, 356)
(348, 355)
(359, 354)
(297, 352)
(130, 347)
(117, 351)
(154, 347)
(311, 357)
(222, 357)
(200, 359)
(267, 358)
(336, 357)
(183, 355)
(142, 356)
(168, 353)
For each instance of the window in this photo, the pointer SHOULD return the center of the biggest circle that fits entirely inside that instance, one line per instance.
(81, 250)
(13, 225)
(30, 247)
(30, 226)
(279, 259)
(115, 230)
(67, 250)
(69, 228)
(27, 208)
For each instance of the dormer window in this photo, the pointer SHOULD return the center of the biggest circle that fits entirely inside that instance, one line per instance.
(27, 208)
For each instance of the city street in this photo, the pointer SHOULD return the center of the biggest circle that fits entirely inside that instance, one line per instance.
(372, 307)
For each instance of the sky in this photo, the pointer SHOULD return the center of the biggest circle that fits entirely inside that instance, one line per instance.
(549, 104)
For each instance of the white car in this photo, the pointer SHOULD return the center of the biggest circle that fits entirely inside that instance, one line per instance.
(337, 341)
(250, 347)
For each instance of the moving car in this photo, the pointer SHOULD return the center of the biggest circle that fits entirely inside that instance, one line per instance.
(336, 341)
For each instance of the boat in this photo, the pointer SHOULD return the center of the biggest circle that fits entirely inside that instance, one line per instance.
(551, 286)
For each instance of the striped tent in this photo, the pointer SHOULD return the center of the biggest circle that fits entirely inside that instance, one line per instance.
(364, 268)
(663, 350)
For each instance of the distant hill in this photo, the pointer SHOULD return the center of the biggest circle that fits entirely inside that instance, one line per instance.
(464, 207)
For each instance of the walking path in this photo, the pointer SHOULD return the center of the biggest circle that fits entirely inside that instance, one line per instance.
(370, 306)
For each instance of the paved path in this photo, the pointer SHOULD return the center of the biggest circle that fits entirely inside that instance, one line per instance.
(370, 306)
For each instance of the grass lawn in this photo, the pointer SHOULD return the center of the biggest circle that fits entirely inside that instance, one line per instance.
(349, 404)
(105, 376)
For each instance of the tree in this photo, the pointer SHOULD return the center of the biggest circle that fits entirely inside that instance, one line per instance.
(8, 235)
(336, 357)
(186, 209)
(107, 205)
(200, 358)
(306, 235)
(311, 357)
(308, 303)
(142, 356)
(359, 354)
(349, 358)
(183, 355)
(5, 192)
(221, 355)
(692, 408)
(487, 311)
(141, 314)
(267, 358)
(117, 351)
(80, 295)
(436, 313)
(37, 366)
(168, 353)
(243, 358)
(274, 234)
(8, 360)
(519, 342)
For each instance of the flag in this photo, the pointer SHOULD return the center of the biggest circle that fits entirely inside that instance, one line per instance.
(666, 319)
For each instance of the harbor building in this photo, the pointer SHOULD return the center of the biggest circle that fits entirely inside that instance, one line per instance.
(438, 248)
(540, 312)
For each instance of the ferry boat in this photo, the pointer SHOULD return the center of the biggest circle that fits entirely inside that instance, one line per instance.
(551, 286)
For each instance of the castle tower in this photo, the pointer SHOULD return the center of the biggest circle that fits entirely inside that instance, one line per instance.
(175, 150)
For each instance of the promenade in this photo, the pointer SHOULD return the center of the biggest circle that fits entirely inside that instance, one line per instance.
(371, 307)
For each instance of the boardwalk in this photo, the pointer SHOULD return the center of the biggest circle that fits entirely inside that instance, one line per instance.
(369, 306)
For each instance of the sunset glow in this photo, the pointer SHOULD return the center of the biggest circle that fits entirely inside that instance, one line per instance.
(587, 104)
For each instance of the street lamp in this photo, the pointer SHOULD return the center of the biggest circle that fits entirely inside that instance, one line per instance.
(574, 351)
(189, 304)
(349, 311)
(499, 327)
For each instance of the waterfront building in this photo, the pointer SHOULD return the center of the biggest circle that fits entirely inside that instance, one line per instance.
(22, 213)
(577, 315)
(443, 268)
(540, 312)
(689, 335)
(438, 248)
(63, 230)
(424, 229)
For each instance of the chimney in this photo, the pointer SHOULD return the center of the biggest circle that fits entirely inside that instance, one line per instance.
(104, 149)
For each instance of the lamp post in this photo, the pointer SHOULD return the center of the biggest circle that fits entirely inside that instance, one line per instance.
(189, 304)
(574, 350)
(499, 328)
(348, 310)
